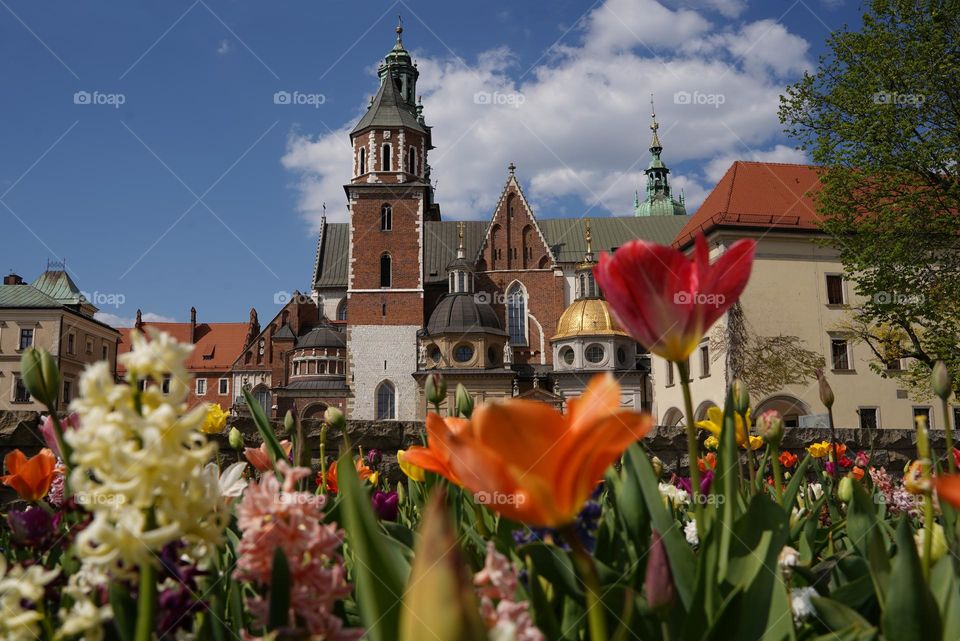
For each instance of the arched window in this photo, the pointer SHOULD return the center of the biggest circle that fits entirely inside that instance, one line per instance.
(262, 396)
(517, 314)
(342, 310)
(385, 165)
(525, 239)
(363, 160)
(385, 275)
(386, 401)
(386, 218)
(412, 161)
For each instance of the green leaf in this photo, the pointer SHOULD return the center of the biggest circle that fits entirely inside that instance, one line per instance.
(543, 613)
(124, 610)
(793, 487)
(837, 616)
(910, 612)
(682, 562)
(943, 583)
(279, 613)
(263, 426)
(554, 565)
(379, 569)
(863, 529)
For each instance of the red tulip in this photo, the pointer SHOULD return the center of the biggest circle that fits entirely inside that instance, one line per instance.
(666, 300)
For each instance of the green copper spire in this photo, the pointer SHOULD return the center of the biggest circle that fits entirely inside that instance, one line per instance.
(658, 200)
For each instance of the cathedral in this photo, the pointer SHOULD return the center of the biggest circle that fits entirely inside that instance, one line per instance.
(507, 305)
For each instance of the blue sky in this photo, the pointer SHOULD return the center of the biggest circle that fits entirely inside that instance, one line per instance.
(199, 190)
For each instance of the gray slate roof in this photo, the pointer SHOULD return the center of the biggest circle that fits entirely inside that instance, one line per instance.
(462, 314)
(389, 109)
(564, 235)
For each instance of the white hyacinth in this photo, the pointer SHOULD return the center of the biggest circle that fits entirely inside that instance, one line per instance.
(140, 454)
(673, 495)
(18, 587)
(801, 604)
(690, 531)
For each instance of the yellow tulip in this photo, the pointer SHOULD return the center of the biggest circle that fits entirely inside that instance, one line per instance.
(412, 471)
(819, 450)
(756, 442)
(711, 442)
(215, 420)
(714, 424)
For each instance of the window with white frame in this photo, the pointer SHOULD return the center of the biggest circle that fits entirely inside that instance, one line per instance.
(224, 388)
(26, 337)
(704, 361)
(386, 401)
(20, 393)
(840, 354)
(835, 289)
(201, 386)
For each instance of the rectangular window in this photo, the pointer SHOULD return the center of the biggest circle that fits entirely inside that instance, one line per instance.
(669, 374)
(71, 344)
(834, 289)
(104, 353)
(868, 418)
(925, 413)
(224, 386)
(89, 346)
(26, 338)
(840, 354)
(67, 392)
(894, 365)
(165, 386)
(20, 393)
(704, 361)
(201, 386)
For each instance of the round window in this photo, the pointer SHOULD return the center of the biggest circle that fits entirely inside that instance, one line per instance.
(435, 354)
(567, 355)
(463, 353)
(621, 356)
(594, 353)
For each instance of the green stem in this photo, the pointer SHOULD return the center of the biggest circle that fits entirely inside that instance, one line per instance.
(596, 621)
(692, 449)
(751, 469)
(948, 434)
(835, 472)
(66, 452)
(323, 460)
(777, 472)
(147, 598)
(926, 463)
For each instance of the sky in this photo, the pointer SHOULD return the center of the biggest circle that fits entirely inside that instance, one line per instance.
(150, 145)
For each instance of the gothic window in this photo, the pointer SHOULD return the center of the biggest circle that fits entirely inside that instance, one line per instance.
(386, 401)
(385, 272)
(494, 251)
(412, 161)
(363, 160)
(386, 218)
(342, 310)
(517, 315)
(385, 165)
(262, 396)
(526, 244)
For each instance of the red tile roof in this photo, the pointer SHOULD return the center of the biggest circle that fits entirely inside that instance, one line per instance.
(757, 195)
(217, 346)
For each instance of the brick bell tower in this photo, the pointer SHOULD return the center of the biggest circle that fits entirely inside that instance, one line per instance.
(389, 198)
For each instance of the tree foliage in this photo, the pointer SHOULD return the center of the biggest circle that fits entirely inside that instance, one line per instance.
(881, 115)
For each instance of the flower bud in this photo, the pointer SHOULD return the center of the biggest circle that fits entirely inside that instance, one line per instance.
(335, 418)
(845, 489)
(289, 423)
(657, 465)
(41, 376)
(464, 401)
(658, 582)
(940, 380)
(435, 388)
(741, 396)
(826, 392)
(770, 427)
(235, 438)
(401, 493)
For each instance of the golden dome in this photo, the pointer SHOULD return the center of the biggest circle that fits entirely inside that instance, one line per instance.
(587, 317)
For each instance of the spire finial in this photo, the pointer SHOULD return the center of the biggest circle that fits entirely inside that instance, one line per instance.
(512, 168)
(460, 226)
(588, 235)
(654, 126)
(399, 29)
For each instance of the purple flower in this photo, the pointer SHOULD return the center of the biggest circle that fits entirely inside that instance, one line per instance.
(683, 483)
(829, 468)
(373, 457)
(32, 526)
(706, 481)
(72, 422)
(385, 505)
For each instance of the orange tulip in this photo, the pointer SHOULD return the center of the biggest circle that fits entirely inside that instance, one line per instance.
(528, 461)
(30, 477)
(259, 457)
(787, 459)
(363, 472)
(948, 488)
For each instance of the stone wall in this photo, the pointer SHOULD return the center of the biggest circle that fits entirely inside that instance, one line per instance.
(892, 447)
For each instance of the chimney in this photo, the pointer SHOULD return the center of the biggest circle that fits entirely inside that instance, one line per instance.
(12, 279)
(193, 324)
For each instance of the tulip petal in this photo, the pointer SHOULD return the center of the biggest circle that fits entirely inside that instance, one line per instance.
(726, 279)
(523, 432)
(948, 488)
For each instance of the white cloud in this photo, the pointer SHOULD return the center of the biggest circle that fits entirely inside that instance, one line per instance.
(113, 320)
(224, 47)
(717, 167)
(577, 124)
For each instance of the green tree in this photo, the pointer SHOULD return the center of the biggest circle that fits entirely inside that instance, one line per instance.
(881, 115)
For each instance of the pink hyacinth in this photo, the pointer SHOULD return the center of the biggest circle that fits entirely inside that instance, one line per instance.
(498, 580)
(272, 515)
